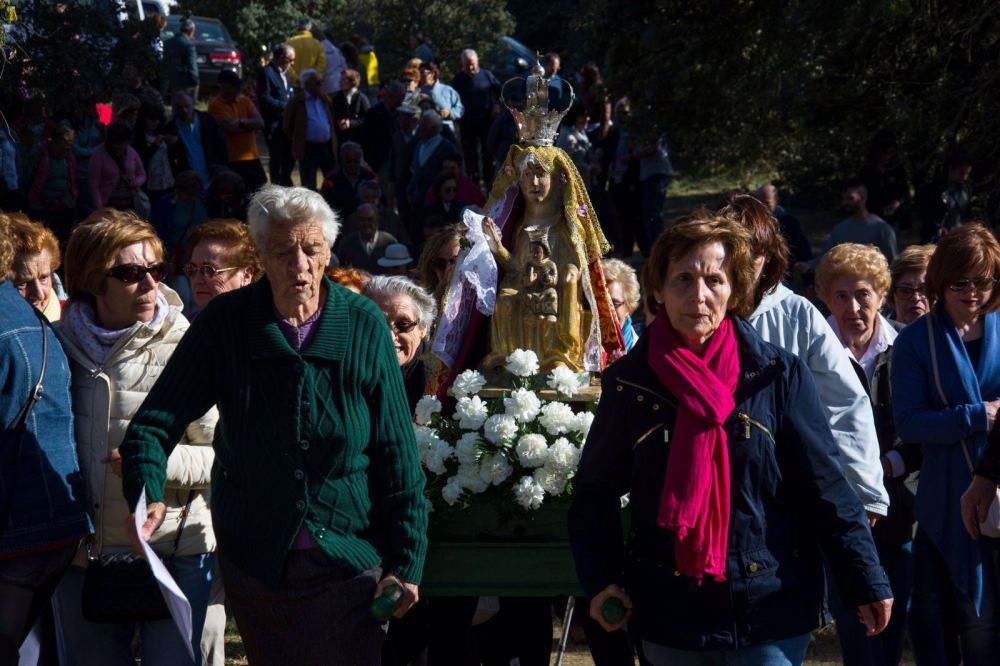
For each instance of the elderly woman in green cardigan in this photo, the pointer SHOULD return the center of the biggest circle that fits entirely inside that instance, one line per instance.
(317, 490)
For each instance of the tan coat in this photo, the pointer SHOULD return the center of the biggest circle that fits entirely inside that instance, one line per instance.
(295, 124)
(105, 397)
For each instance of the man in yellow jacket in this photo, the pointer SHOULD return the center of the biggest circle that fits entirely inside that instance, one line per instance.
(309, 53)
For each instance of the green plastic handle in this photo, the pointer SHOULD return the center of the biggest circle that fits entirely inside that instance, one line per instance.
(385, 604)
(613, 610)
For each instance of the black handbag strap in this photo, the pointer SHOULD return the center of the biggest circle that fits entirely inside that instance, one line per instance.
(21, 421)
(177, 539)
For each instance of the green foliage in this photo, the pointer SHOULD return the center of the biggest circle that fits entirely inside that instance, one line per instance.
(63, 52)
(800, 86)
(451, 25)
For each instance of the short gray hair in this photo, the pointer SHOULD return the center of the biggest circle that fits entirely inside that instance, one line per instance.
(281, 49)
(469, 53)
(390, 286)
(274, 204)
(307, 75)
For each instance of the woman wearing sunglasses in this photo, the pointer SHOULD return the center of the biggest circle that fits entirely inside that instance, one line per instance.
(945, 387)
(121, 326)
(222, 257)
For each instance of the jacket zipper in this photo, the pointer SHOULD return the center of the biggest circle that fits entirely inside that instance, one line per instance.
(647, 434)
(747, 422)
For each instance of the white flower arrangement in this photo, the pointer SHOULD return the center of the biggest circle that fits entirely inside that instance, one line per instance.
(518, 447)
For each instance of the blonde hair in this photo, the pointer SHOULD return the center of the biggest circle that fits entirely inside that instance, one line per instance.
(95, 243)
(616, 270)
(865, 261)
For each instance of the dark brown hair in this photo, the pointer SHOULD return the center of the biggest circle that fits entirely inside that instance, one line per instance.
(766, 239)
(700, 228)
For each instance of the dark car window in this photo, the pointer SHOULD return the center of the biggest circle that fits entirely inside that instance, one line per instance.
(203, 32)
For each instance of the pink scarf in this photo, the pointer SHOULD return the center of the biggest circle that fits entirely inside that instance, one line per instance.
(694, 502)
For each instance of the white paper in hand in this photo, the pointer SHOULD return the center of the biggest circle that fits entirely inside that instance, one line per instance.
(177, 603)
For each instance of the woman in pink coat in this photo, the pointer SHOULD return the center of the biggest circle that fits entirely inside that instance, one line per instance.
(116, 173)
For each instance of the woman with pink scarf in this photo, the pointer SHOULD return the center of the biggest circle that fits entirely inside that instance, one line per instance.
(735, 492)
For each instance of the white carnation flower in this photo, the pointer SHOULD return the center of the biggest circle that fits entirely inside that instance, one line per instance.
(565, 381)
(429, 505)
(551, 480)
(471, 413)
(522, 363)
(424, 435)
(499, 428)
(452, 491)
(469, 478)
(495, 469)
(427, 407)
(582, 423)
(529, 493)
(523, 405)
(435, 454)
(468, 383)
(532, 450)
(557, 418)
(467, 448)
(563, 456)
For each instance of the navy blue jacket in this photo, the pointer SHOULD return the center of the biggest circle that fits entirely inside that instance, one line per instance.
(273, 95)
(791, 506)
(48, 504)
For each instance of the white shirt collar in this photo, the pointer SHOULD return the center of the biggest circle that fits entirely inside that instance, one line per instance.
(883, 338)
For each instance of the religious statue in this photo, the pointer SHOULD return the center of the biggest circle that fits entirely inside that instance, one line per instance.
(532, 264)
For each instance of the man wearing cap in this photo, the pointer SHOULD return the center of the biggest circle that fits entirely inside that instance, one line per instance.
(367, 245)
(396, 260)
(239, 120)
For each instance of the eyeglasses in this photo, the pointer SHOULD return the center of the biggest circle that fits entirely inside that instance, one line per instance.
(207, 271)
(443, 264)
(981, 284)
(906, 291)
(402, 326)
(134, 273)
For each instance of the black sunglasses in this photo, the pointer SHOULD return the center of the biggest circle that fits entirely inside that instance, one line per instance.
(981, 284)
(133, 273)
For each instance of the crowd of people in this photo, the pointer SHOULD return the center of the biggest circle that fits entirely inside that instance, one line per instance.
(178, 322)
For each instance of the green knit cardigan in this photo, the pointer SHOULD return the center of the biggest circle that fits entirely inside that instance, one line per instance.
(322, 439)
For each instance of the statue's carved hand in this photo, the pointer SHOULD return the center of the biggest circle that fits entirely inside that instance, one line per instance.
(492, 235)
(571, 274)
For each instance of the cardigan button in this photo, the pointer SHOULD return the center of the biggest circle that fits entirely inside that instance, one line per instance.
(304, 444)
(299, 474)
(754, 567)
(638, 398)
(300, 505)
(656, 407)
(620, 388)
(677, 573)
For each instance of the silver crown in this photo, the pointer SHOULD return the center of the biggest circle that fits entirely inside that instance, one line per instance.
(537, 123)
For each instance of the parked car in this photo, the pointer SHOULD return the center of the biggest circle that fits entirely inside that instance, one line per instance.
(216, 49)
(511, 59)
